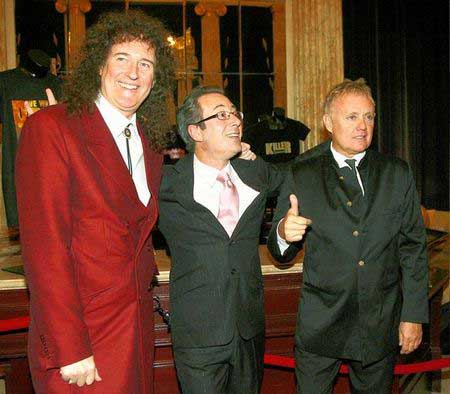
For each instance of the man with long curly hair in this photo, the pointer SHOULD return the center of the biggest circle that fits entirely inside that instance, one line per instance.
(87, 175)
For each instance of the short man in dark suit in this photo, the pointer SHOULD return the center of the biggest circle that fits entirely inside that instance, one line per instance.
(211, 209)
(365, 271)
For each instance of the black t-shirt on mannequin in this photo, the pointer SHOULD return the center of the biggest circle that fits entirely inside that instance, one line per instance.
(24, 83)
(276, 138)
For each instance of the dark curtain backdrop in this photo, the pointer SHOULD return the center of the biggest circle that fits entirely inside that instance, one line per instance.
(401, 48)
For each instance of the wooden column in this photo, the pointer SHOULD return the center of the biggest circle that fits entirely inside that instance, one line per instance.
(7, 62)
(211, 57)
(2, 36)
(7, 35)
(77, 26)
(279, 54)
(315, 60)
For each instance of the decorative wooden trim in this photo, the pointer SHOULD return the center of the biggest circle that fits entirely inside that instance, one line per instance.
(61, 6)
(77, 26)
(279, 55)
(7, 36)
(436, 220)
(315, 60)
(2, 36)
(210, 9)
(210, 12)
(246, 3)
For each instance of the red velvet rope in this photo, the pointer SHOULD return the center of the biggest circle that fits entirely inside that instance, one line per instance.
(14, 324)
(20, 323)
(400, 369)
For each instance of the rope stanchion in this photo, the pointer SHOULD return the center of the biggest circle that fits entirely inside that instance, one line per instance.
(14, 324)
(400, 369)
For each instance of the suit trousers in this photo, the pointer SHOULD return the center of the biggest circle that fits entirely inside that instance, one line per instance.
(234, 368)
(316, 374)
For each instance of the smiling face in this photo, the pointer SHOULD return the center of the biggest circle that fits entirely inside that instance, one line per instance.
(350, 122)
(127, 75)
(220, 140)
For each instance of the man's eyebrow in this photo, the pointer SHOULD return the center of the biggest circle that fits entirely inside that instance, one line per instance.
(128, 55)
(147, 60)
(121, 53)
(223, 105)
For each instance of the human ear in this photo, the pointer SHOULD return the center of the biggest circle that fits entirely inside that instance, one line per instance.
(328, 123)
(195, 132)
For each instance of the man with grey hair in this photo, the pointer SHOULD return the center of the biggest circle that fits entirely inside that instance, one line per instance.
(365, 274)
(211, 209)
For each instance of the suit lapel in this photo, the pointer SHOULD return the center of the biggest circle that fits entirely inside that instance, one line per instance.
(151, 162)
(103, 148)
(329, 175)
(246, 171)
(184, 192)
(370, 176)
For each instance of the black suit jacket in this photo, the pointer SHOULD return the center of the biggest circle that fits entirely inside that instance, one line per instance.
(363, 272)
(215, 281)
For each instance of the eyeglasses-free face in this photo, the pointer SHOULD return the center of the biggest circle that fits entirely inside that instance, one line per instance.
(351, 122)
(223, 115)
(128, 75)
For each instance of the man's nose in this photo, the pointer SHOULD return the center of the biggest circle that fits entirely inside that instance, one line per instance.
(362, 124)
(235, 119)
(133, 71)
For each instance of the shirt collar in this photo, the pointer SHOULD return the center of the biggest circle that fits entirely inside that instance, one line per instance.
(340, 158)
(208, 173)
(115, 121)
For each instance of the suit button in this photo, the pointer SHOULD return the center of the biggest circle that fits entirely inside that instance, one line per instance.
(349, 203)
(233, 271)
(361, 263)
(355, 233)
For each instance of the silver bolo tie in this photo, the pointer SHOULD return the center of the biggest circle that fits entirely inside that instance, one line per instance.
(127, 133)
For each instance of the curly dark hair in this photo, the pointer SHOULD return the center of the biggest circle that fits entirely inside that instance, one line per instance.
(83, 85)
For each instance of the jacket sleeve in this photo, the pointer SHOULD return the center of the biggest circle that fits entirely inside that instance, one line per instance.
(413, 257)
(166, 197)
(283, 205)
(44, 205)
(276, 176)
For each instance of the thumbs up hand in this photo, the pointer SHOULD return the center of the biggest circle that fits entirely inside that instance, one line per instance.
(293, 210)
(292, 227)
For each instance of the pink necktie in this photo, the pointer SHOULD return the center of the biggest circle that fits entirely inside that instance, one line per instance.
(228, 215)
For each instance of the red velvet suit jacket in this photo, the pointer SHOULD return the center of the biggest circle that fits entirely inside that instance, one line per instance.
(87, 252)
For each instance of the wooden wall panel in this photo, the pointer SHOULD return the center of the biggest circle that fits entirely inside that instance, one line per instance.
(315, 60)
(2, 36)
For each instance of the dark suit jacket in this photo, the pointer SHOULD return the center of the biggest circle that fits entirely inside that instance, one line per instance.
(357, 285)
(86, 250)
(215, 282)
